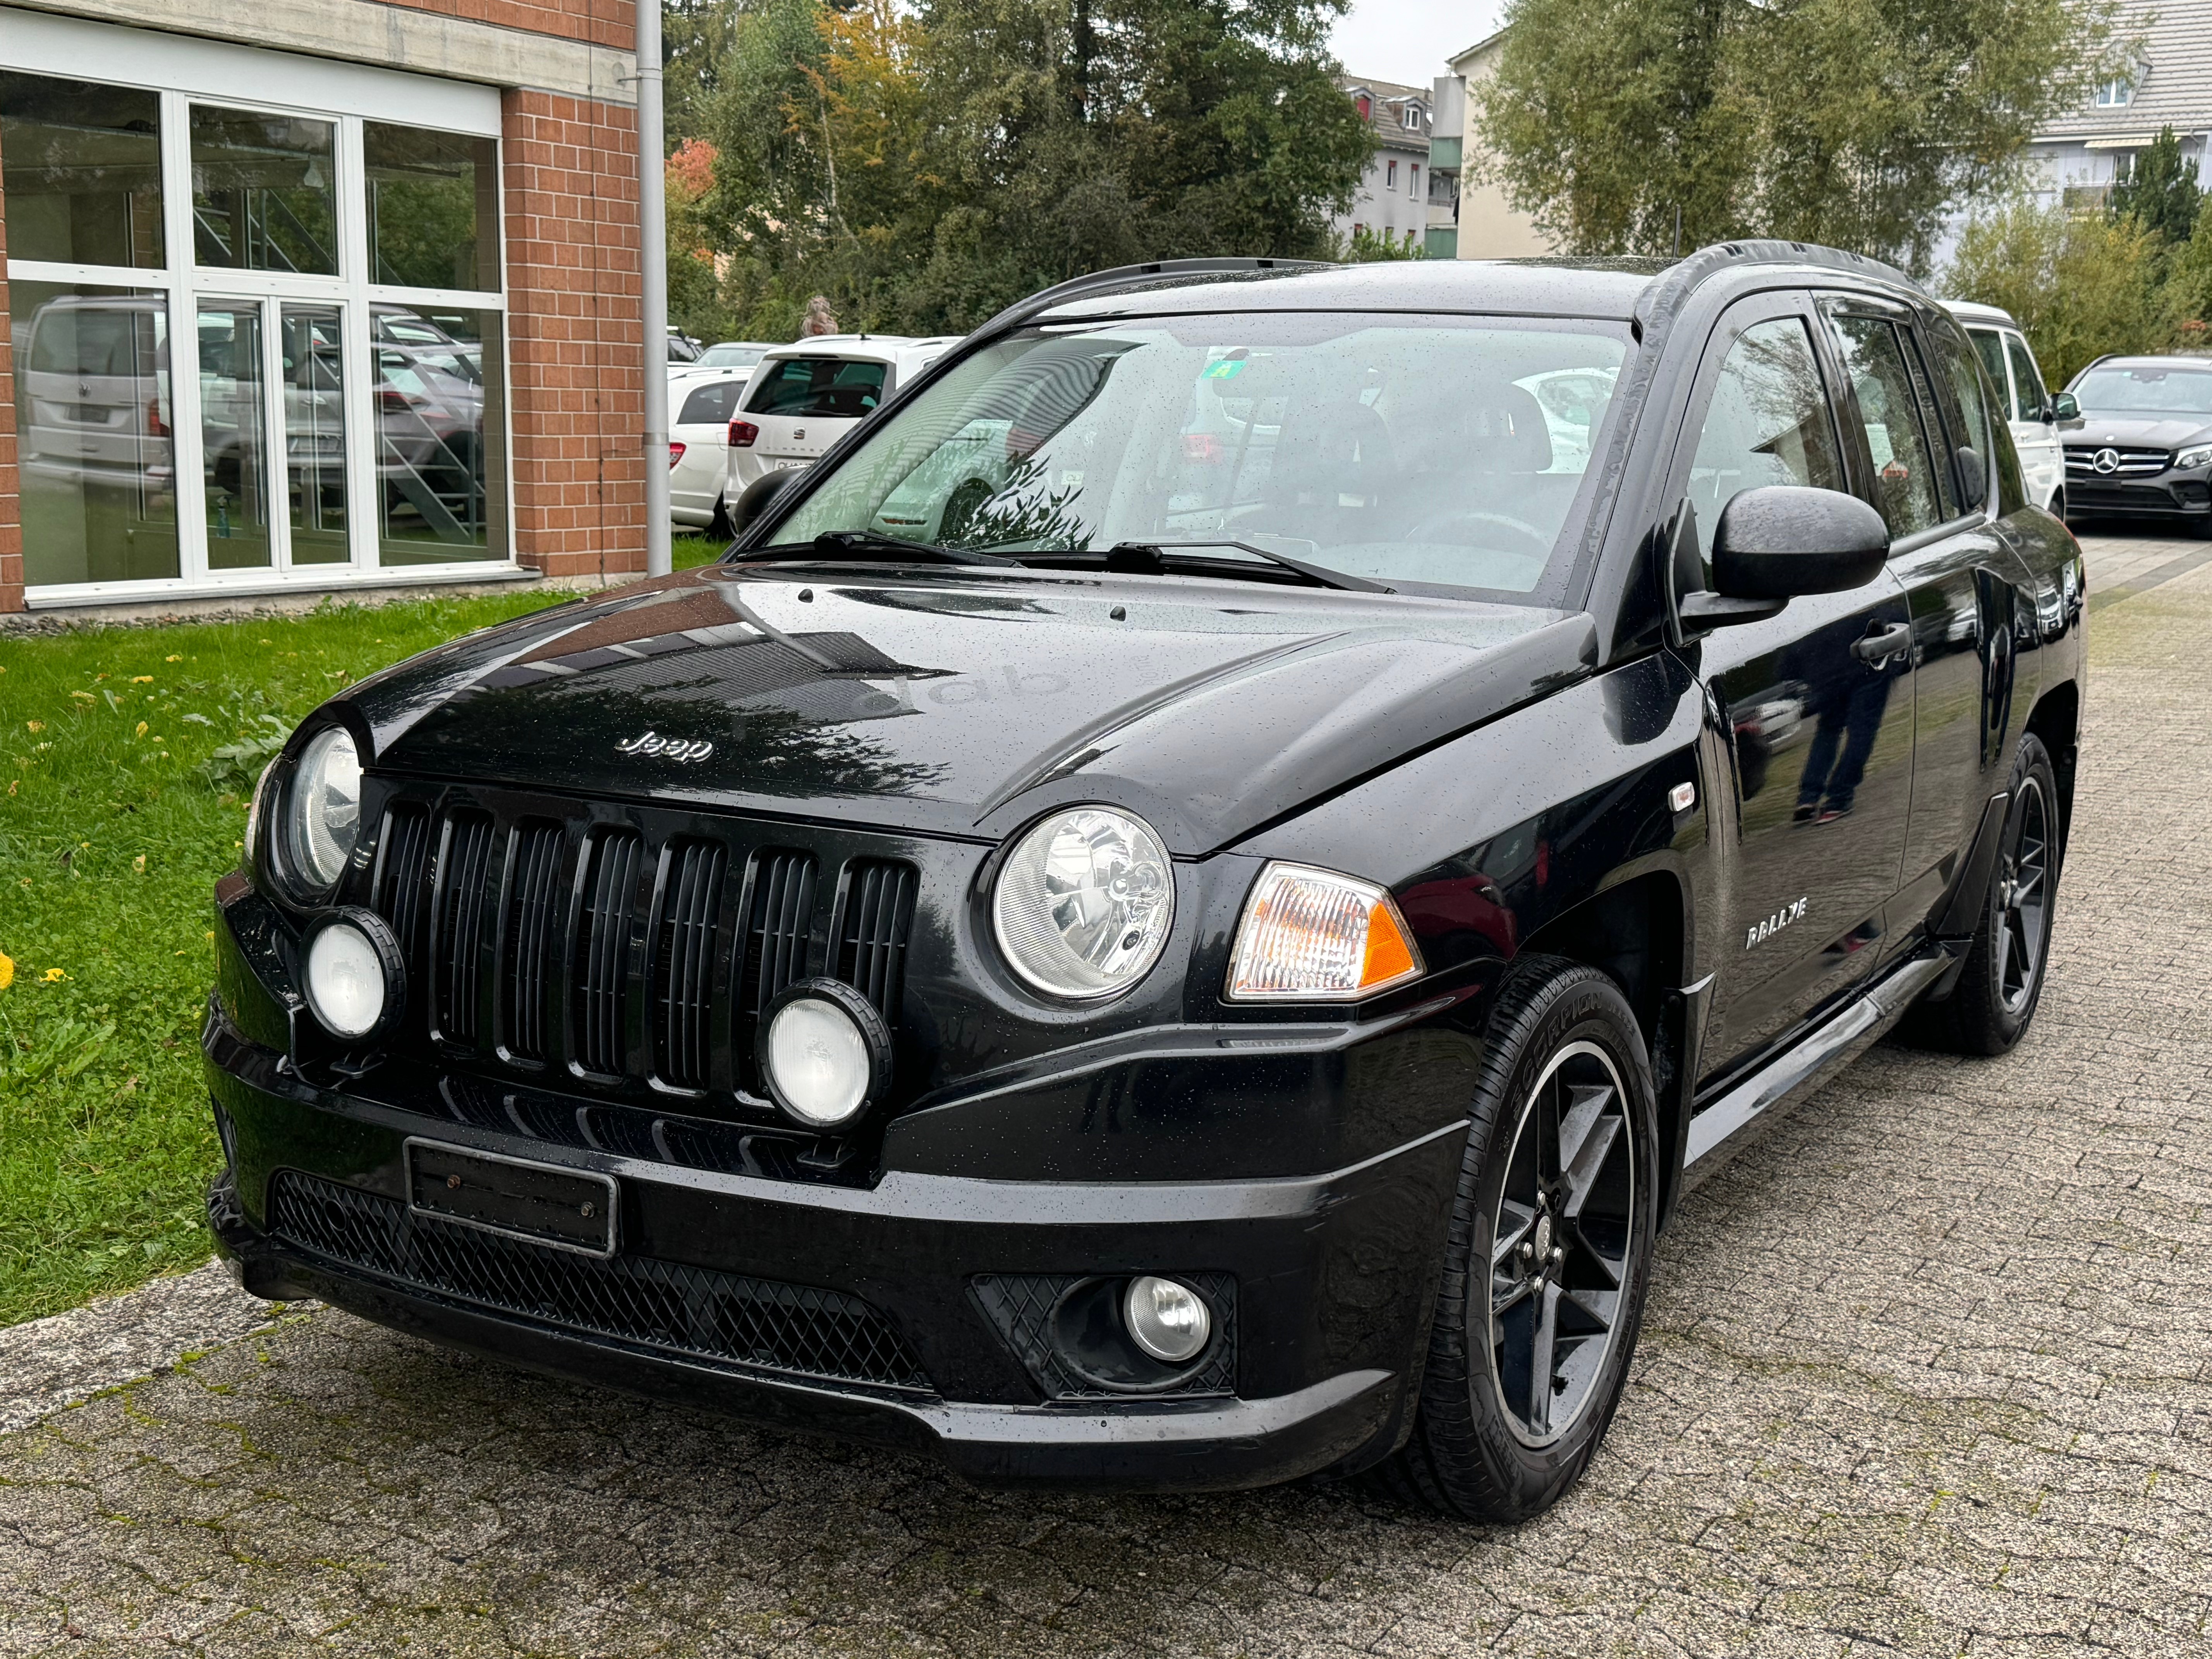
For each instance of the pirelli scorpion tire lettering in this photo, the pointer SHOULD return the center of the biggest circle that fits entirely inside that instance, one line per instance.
(1549, 1252)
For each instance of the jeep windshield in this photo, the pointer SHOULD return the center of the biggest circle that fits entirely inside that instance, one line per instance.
(1433, 451)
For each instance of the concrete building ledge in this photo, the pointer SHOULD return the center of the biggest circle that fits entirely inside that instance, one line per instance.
(289, 599)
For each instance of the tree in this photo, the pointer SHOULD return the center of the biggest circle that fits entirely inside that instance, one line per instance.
(1856, 123)
(2160, 193)
(2080, 285)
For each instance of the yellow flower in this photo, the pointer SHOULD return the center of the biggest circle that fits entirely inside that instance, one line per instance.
(174, 656)
(142, 679)
(84, 696)
(139, 863)
(36, 726)
(142, 728)
(7, 970)
(51, 975)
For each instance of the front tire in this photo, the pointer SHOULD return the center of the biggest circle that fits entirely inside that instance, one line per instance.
(1995, 996)
(1548, 1257)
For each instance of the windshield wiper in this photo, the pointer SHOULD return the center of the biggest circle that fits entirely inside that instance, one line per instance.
(865, 544)
(1140, 557)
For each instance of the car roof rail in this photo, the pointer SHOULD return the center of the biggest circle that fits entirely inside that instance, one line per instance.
(1129, 276)
(1674, 284)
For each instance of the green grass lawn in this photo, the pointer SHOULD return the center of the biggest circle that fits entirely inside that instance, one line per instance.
(112, 831)
(694, 548)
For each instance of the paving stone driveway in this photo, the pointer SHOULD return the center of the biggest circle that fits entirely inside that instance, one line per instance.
(1930, 1370)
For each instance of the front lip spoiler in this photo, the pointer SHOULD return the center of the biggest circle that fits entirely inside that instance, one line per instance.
(1148, 1445)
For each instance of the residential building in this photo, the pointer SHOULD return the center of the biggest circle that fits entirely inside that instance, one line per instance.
(402, 240)
(1488, 226)
(1394, 197)
(2080, 156)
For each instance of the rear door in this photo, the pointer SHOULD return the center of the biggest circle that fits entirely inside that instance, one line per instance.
(1945, 550)
(1818, 699)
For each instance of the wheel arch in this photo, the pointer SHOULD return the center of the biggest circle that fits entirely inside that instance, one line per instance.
(1636, 932)
(2056, 719)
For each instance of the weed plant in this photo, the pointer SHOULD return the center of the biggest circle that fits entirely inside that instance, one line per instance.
(128, 755)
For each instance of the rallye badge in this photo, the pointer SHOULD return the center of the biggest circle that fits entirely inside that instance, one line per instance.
(1774, 924)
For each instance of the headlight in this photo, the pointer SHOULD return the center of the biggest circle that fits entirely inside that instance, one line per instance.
(323, 819)
(1315, 936)
(2200, 456)
(1085, 903)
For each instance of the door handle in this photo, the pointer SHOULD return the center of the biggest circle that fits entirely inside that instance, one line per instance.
(1877, 649)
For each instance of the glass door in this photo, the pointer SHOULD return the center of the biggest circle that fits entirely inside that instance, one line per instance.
(313, 388)
(234, 461)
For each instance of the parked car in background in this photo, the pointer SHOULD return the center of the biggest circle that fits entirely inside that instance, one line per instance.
(2034, 415)
(681, 348)
(2144, 446)
(701, 406)
(806, 396)
(723, 355)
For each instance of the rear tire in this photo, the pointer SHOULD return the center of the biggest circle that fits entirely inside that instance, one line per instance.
(718, 527)
(1549, 1253)
(1996, 993)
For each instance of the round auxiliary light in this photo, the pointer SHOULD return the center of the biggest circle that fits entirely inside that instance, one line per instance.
(825, 1053)
(323, 816)
(356, 984)
(1168, 1320)
(1084, 903)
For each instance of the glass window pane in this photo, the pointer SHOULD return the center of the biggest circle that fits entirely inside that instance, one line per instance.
(262, 192)
(83, 172)
(1932, 421)
(818, 385)
(440, 442)
(233, 447)
(710, 404)
(433, 205)
(1991, 350)
(1900, 448)
(1973, 406)
(314, 434)
(1767, 424)
(2031, 393)
(93, 420)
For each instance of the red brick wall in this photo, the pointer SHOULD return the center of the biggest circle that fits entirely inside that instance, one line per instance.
(602, 22)
(11, 503)
(574, 351)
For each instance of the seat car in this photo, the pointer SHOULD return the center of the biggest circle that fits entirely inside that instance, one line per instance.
(1217, 967)
(805, 397)
(2144, 447)
(2037, 416)
(698, 438)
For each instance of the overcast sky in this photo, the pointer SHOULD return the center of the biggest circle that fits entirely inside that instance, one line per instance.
(1407, 41)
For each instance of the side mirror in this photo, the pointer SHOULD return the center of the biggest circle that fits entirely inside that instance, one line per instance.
(2064, 407)
(1973, 476)
(755, 500)
(1781, 540)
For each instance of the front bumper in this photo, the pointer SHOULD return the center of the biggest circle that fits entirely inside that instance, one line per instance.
(2184, 497)
(1329, 1279)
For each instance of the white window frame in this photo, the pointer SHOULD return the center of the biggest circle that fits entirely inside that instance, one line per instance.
(185, 72)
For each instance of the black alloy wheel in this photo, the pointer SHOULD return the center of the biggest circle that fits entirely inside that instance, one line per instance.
(2001, 981)
(1559, 1246)
(2023, 898)
(1548, 1256)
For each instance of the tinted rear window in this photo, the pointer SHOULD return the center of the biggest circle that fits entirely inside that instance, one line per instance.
(840, 386)
(707, 404)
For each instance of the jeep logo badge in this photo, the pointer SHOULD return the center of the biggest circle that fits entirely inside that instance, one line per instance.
(681, 749)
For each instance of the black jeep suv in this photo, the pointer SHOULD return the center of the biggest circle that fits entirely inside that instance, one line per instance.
(1180, 910)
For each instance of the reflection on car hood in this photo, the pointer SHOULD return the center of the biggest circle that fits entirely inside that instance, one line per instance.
(962, 702)
(2140, 431)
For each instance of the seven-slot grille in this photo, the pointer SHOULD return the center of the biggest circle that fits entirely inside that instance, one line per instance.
(623, 955)
(2082, 461)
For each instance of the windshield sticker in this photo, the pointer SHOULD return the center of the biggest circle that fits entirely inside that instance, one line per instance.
(1226, 369)
(1878, 440)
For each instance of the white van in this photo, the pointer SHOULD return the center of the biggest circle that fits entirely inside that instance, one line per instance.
(803, 397)
(2035, 412)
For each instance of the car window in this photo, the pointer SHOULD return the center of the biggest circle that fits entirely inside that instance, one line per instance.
(2030, 395)
(1990, 347)
(1972, 402)
(709, 404)
(731, 356)
(1436, 450)
(2147, 389)
(1889, 408)
(846, 388)
(1768, 423)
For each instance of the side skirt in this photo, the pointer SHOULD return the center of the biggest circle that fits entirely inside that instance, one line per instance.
(1717, 1131)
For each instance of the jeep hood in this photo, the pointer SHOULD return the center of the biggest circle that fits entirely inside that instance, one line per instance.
(962, 702)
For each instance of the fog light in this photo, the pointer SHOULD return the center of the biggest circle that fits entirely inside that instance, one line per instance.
(824, 1052)
(1167, 1321)
(355, 983)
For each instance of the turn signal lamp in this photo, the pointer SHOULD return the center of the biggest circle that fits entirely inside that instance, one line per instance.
(1311, 935)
